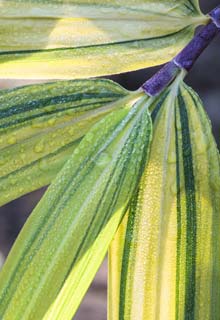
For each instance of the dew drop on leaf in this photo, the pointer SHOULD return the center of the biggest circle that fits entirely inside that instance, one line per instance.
(12, 140)
(39, 147)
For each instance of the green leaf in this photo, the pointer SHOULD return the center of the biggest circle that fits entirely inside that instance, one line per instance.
(66, 238)
(40, 126)
(164, 261)
(79, 39)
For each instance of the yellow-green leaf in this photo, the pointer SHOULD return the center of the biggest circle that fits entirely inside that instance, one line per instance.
(79, 39)
(164, 261)
(66, 238)
(40, 125)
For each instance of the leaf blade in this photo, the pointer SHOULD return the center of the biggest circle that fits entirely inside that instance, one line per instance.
(41, 125)
(73, 36)
(77, 214)
(171, 243)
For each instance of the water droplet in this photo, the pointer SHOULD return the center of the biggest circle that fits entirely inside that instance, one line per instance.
(201, 146)
(39, 147)
(51, 122)
(12, 140)
(71, 131)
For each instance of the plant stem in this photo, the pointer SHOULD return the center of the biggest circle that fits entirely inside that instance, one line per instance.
(186, 58)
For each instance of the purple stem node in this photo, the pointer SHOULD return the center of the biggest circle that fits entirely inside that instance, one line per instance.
(186, 58)
(162, 77)
(215, 16)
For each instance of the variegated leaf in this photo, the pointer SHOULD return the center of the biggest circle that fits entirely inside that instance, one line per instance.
(60, 39)
(164, 261)
(40, 125)
(66, 238)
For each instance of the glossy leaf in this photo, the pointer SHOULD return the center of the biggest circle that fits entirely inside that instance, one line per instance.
(66, 238)
(40, 126)
(79, 39)
(164, 261)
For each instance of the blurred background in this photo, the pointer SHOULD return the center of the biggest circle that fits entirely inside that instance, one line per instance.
(204, 78)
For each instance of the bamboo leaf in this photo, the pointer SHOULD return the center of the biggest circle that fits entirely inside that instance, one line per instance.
(66, 238)
(170, 242)
(80, 39)
(40, 126)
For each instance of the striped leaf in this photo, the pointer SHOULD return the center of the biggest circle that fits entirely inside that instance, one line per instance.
(60, 39)
(40, 125)
(164, 261)
(66, 238)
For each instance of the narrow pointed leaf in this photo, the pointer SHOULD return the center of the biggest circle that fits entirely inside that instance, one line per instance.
(80, 39)
(40, 125)
(169, 268)
(66, 238)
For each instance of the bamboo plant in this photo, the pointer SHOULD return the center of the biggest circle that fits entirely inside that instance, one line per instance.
(135, 174)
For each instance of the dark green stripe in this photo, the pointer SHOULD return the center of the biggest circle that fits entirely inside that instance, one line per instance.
(29, 105)
(128, 242)
(159, 104)
(95, 105)
(63, 86)
(193, 8)
(188, 6)
(126, 256)
(190, 212)
(179, 219)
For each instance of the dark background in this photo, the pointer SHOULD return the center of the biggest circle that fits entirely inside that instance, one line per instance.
(205, 79)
